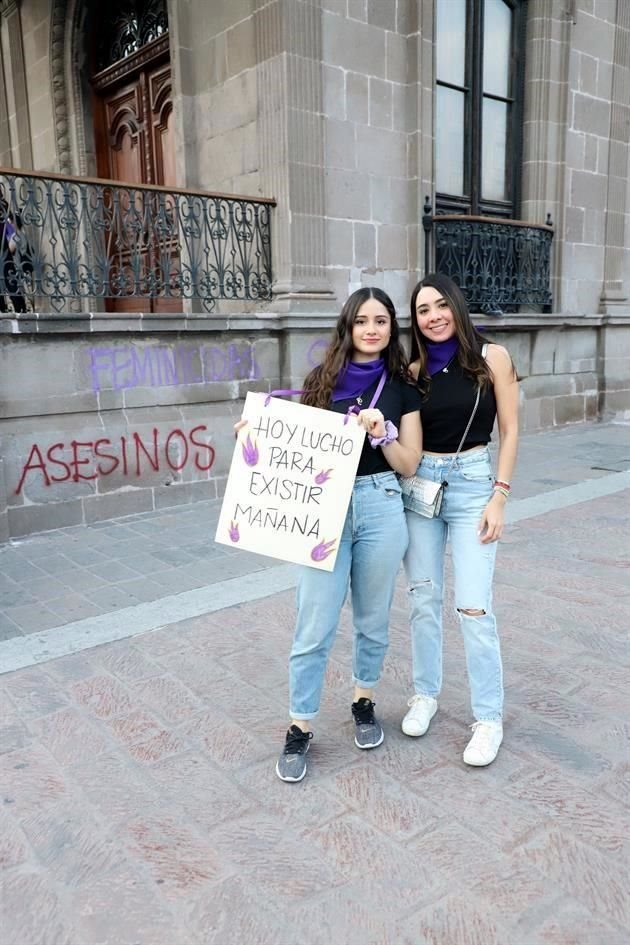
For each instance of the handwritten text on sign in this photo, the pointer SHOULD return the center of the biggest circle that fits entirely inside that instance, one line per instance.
(290, 482)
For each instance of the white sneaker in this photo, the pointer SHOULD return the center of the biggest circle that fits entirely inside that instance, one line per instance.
(421, 711)
(483, 746)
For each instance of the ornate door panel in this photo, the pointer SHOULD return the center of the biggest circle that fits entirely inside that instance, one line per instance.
(135, 145)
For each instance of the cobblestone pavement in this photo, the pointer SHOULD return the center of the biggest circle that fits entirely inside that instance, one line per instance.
(138, 803)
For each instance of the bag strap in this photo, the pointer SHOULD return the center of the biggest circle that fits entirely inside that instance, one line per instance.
(484, 350)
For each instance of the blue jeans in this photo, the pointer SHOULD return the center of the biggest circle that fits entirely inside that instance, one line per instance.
(468, 492)
(372, 545)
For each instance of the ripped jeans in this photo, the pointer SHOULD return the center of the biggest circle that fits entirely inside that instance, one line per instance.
(468, 492)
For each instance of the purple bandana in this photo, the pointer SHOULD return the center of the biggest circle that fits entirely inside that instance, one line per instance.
(356, 377)
(440, 353)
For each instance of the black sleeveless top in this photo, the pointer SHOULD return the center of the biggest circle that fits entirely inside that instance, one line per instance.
(396, 399)
(447, 407)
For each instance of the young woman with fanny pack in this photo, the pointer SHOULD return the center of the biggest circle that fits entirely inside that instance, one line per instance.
(465, 386)
(364, 371)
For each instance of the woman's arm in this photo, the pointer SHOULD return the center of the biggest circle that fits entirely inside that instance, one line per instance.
(506, 395)
(403, 455)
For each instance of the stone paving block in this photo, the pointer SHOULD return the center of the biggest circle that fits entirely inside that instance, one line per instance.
(69, 736)
(143, 589)
(167, 697)
(353, 913)
(594, 879)
(348, 840)
(572, 924)
(538, 740)
(138, 726)
(72, 607)
(113, 571)
(32, 618)
(177, 859)
(205, 793)
(141, 913)
(385, 802)
(71, 668)
(33, 912)
(617, 783)
(33, 693)
(103, 696)
(109, 598)
(14, 848)
(8, 629)
(30, 780)
(127, 662)
(159, 746)
(258, 920)
(571, 808)
(48, 588)
(16, 596)
(229, 744)
(271, 855)
(65, 842)
(457, 918)
(115, 786)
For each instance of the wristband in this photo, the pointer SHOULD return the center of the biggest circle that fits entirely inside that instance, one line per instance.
(504, 492)
(391, 435)
(502, 484)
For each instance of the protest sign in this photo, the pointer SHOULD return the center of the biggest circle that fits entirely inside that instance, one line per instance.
(290, 481)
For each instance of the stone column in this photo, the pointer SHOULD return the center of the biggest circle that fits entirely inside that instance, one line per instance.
(15, 77)
(616, 289)
(288, 37)
(549, 29)
(5, 136)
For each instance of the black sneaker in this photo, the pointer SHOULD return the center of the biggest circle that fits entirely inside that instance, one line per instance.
(369, 733)
(291, 765)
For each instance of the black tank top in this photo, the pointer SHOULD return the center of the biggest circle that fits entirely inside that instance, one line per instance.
(446, 410)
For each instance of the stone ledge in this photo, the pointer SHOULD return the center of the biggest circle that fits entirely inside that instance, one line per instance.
(40, 323)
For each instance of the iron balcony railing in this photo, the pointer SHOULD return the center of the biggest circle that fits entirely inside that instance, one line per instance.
(499, 264)
(68, 242)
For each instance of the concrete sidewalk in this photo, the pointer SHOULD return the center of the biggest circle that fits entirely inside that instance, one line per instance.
(139, 799)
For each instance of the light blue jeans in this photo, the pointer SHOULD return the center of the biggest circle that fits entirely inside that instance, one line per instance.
(373, 542)
(468, 492)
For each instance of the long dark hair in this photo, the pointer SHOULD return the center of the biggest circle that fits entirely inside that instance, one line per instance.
(320, 383)
(470, 340)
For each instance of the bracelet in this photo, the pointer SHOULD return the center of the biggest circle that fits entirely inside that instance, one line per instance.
(504, 485)
(504, 492)
(391, 435)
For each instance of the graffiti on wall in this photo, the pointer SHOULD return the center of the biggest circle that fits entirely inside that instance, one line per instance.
(131, 454)
(128, 366)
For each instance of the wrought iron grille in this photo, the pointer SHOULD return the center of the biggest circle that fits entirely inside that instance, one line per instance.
(500, 265)
(67, 242)
(129, 25)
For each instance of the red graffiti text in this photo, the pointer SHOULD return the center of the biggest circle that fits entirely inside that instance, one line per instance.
(132, 455)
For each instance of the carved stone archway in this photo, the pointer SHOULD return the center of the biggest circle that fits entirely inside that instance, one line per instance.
(71, 104)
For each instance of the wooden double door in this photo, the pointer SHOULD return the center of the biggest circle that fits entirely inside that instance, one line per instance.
(135, 145)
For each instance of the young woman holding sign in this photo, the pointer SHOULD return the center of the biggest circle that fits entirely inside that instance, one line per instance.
(465, 385)
(363, 365)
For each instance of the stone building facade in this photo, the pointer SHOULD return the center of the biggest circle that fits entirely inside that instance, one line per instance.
(330, 108)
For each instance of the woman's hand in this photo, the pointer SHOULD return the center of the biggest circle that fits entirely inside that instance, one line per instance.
(373, 421)
(492, 520)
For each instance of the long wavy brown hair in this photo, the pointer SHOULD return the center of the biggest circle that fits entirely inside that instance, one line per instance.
(471, 341)
(320, 383)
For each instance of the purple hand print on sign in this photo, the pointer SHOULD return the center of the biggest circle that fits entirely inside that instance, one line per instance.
(233, 532)
(250, 451)
(321, 551)
(323, 476)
